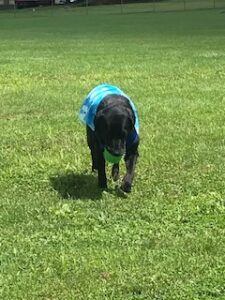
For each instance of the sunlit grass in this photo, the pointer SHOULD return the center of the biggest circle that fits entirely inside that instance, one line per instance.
(62, 238)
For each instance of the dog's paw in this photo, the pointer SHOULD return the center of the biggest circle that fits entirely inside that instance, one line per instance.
(126, 186)
(115, 172)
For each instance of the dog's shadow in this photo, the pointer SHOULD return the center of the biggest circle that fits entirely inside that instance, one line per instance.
(76, 186)
(81, 187)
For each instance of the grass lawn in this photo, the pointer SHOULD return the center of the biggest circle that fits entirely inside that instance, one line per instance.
(61, 237)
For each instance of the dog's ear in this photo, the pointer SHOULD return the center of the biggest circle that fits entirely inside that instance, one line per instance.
(131, 118)
(100, 123)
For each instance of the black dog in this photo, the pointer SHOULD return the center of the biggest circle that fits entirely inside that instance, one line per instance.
(112, 128)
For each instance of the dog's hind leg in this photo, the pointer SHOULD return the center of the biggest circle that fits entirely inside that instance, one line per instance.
(115, 172)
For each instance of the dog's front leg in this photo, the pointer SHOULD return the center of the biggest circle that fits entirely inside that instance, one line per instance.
(128, 178)
(102, 180)
(92, 144)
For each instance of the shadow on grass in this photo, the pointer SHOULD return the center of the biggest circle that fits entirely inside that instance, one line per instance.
(76, 186)
(81, 186)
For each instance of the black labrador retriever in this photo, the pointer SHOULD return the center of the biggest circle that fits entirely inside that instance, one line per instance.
(113, 126)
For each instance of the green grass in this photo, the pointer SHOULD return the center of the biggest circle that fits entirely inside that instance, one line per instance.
(61, 238)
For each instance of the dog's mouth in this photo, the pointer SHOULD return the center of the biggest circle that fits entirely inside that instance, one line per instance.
(115, 152)
(116, 147)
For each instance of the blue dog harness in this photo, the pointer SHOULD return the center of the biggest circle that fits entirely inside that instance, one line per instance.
(90, 105)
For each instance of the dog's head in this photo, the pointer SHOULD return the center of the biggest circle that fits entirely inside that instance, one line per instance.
(113, 124)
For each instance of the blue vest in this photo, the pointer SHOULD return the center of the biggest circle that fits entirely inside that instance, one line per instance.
(90, 105)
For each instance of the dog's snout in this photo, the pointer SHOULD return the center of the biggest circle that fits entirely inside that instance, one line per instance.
(117, 147)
